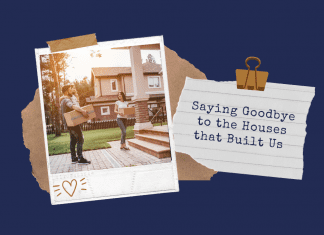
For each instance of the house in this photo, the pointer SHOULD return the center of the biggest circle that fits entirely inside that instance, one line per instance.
(108, 81)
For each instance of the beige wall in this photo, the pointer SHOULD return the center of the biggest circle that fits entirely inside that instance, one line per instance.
(128, 84)
(120, 85)
(106, 85)
(97, 87)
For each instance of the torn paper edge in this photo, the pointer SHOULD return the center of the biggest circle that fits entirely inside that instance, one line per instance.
(241, 168)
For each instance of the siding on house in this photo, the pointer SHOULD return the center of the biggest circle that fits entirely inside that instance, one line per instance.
(104, 96)
(128, 84)
(106, 87)
(97, 87)
(105, 83)
(100, 117)
(112, 115)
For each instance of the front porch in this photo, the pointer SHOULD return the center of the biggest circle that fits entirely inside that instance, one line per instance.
(154, 141)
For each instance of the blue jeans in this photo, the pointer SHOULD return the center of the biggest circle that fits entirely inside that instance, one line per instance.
(76, 138)
(122, 125)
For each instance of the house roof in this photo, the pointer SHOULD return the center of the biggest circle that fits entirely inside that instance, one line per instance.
(114, 71)
(93, 99)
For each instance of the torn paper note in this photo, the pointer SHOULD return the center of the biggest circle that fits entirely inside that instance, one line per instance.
(243, 131)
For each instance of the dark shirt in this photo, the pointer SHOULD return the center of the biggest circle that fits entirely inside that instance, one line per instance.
(66, 106)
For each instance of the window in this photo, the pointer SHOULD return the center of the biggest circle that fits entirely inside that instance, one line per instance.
(105, 110)
(151, 107)
(154, 82)
(113, 84)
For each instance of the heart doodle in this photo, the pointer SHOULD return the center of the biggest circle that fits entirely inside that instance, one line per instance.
(69, 188)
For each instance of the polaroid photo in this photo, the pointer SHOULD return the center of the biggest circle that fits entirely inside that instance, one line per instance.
(106, 118)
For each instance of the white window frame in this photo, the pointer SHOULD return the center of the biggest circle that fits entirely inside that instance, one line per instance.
(105, 113)
(148, 78)
(111, 82)
(153, 105)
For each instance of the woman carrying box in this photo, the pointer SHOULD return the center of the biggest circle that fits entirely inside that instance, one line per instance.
(121, 119)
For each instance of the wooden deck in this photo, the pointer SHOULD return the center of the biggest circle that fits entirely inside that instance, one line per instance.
(104, 159)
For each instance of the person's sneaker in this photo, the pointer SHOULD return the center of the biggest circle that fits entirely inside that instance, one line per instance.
(83, 161)
(74, 160)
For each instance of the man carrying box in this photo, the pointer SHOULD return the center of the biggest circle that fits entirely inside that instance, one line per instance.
(76, 136)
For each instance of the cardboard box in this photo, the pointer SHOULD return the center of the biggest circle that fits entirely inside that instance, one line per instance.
(127, 111)
(74, 117)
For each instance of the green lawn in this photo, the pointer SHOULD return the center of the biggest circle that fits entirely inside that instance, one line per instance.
(159, 124)
(96, 139)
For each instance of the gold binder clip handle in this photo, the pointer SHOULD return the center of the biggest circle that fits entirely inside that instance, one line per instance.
(252, 58)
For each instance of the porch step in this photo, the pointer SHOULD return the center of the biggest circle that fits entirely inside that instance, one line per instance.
(157, 130)
(154, 139)
(156, 150)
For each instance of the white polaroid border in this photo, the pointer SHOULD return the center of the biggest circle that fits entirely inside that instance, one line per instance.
(114, 182)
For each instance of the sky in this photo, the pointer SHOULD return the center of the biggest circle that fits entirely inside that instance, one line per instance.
(80, 62)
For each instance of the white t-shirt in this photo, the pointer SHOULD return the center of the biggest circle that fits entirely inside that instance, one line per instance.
(121, 105)
(75, 101)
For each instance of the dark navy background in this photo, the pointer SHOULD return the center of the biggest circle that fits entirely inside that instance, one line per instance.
(216, 37)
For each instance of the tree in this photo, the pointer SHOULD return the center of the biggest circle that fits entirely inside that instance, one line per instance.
(150, 59)
(84, 90)
(53, 69)
(58, 66)
(47, 87)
